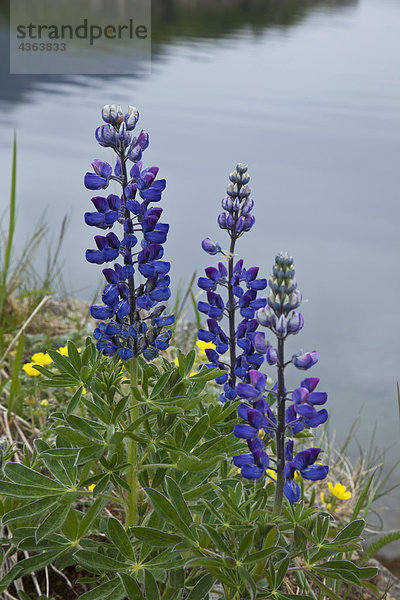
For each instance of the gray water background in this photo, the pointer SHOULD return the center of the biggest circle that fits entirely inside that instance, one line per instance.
(307, 94)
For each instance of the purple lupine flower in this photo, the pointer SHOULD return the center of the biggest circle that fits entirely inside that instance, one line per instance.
(242, 284)
(137, 322)
(303, 462)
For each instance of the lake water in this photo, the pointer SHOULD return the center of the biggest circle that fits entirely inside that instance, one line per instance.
(307, 94)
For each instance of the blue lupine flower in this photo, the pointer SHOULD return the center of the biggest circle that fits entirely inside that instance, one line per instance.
(303, 462)
(127, 301)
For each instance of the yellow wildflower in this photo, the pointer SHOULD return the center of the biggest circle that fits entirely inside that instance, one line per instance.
(44, 402)
(30, 370)
(339, 491)
(91, 487)
(176, 361)
(272, 474)
(42, 359)
(202, 346)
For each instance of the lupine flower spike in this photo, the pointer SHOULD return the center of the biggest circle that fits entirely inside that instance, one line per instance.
(131, 318)
(236, 349)
(280, 316)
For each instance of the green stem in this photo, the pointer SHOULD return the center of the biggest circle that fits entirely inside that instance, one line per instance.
(280, 432)
(131, 515)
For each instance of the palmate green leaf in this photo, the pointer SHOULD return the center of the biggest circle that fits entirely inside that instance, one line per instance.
(151, 587)
(202, 588)
(210, 562)
(120, 538)
(29, 510)
(99, 563)
(110, 590)
(166, 560)
(163, 506)
(27, 491)
(60, 381)
(245, 543)
(178, 501)
(53, 521)
(25, 476)
(154, 537)
(131, 587)
(196, 433)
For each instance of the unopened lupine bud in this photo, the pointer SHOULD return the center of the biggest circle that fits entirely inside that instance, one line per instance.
(244, 192)
(230, 222)
(210, 247)
(281, 326)
(266, 317)
(295, 323)
(222, 221)
(305, 361)
(227, 204)
(271, 355)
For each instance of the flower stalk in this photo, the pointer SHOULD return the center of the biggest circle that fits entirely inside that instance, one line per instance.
(132, 475)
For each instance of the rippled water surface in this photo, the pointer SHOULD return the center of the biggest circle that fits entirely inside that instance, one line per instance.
(307, 94)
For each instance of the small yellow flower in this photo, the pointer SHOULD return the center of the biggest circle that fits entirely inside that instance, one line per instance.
(192, 373)
(176, 361)
(261, 433)
(42, 359)
(272, 474)
(84, 390)
(339, 491)
(202, 346)
(91, 487)
(44, 402)
(239, 471)
(30, 370)
(63, 350)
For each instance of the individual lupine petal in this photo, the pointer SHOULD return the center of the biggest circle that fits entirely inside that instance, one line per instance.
(246, 390)
(317, 398)
(94, 256)
(252, 472)
(245, 432)
(291, 491)
(317, 419)
(255, 418)
(306, 458)
(259, 343)
(110, 295)
(315, 472)
(95, 219)
(101, 312)
(295, 323)
(255, 360)
(299, 395)
(305, 410)
(206, 284)
(294, 425)
(258, 380)
(310, 383)
(205, 336)
(243, 459)
(305, 361)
